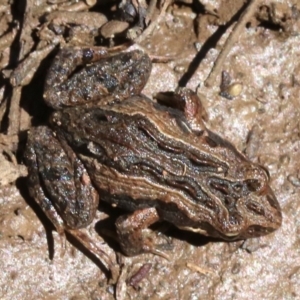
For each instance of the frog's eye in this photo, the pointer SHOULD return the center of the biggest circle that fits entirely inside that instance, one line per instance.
(253, 185)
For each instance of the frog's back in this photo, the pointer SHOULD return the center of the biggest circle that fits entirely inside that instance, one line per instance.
(141, 154)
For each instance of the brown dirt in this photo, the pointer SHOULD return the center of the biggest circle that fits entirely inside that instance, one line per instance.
(263, 121)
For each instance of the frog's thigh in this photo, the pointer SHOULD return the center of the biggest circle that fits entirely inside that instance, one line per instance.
(131, 231)
(59, 182)
(36, 191)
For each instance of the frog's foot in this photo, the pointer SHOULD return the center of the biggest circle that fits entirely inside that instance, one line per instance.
(63, 244)
(89, 244)
(133, 233)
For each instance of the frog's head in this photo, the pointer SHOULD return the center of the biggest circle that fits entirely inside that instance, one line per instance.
(249, 208)
(237, 201)
(238, 209)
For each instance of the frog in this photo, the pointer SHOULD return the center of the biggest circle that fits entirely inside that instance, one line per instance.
(154, 159)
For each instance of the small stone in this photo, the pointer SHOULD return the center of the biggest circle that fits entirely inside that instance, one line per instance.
(111, 28)
(235, 89)
(91, 2)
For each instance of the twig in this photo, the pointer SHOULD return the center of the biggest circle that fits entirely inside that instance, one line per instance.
(9, 142)
(7, 39)
(160, 58)
(151, 27)
(142, 272)
(150, 10)
(14, 108)
(200, 270)
(121, 287)
(230, 41)
(14, 112)
(23, 74)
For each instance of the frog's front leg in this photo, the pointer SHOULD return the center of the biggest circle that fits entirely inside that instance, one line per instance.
(134, 236)
(82, 75)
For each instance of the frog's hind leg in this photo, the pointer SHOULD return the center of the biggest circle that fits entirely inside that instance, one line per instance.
(59, 184)
(59, 181)
(36, 188)
(36, 191)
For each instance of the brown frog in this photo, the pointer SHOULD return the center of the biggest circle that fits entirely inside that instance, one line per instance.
(157, 161)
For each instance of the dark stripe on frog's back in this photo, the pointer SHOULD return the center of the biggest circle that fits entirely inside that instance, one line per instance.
(132, 193)
(177, 131)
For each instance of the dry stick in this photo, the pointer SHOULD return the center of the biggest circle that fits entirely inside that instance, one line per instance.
(20, 78)
(77, 6)
(151, 27)
(14, 112)
(14, 109)
(3, 108)
(24, 72)
(7, 39)
(230, 41)
(8, 141)
(121, 283)
(150, 10)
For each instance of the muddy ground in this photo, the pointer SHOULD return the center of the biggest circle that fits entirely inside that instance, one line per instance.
(262, 121)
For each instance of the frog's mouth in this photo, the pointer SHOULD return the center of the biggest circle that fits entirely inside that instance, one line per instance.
(249, 232)
(210, 231)
(193, 229)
